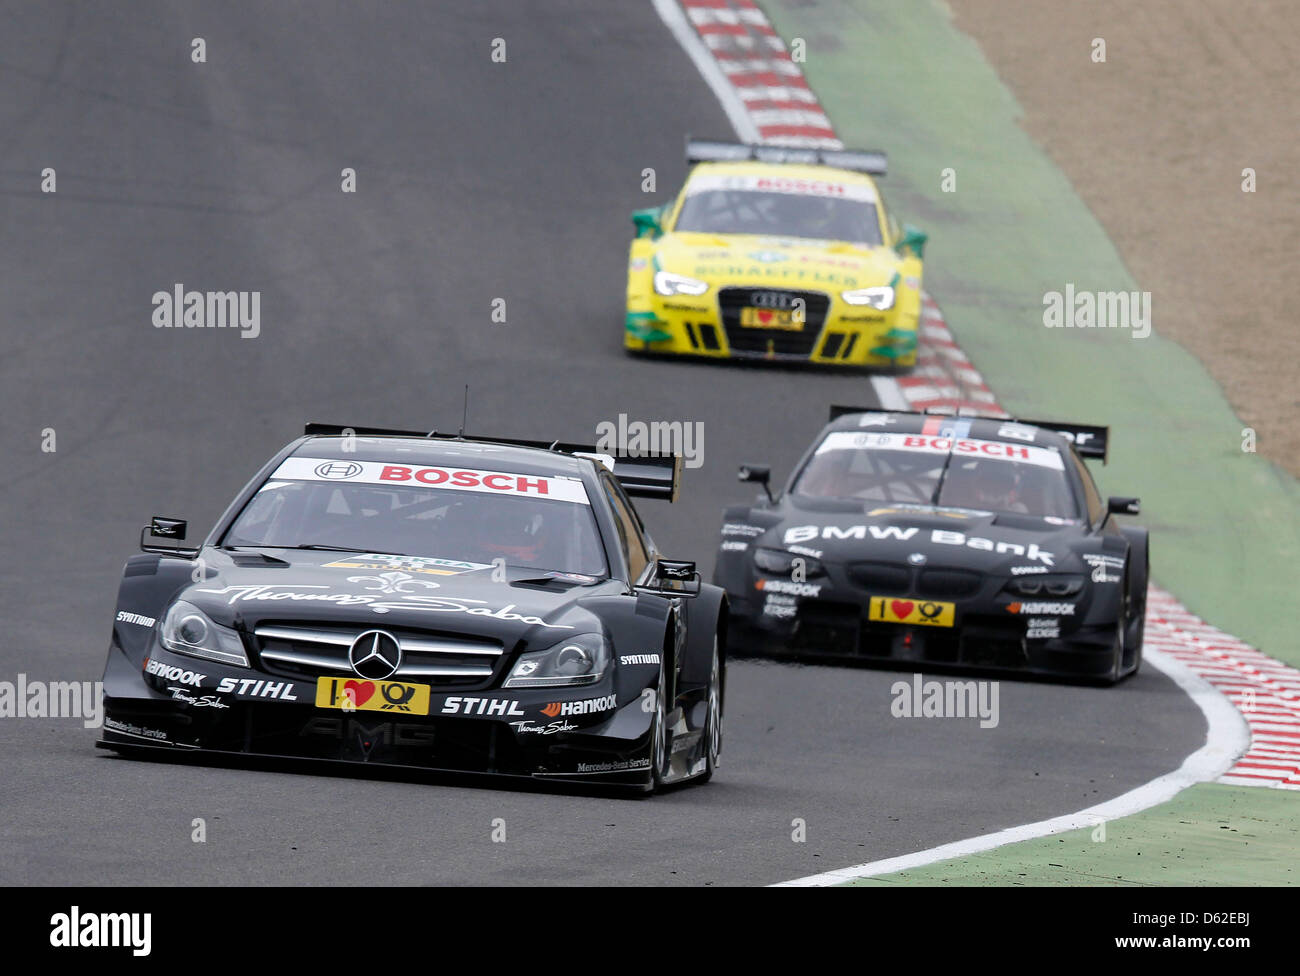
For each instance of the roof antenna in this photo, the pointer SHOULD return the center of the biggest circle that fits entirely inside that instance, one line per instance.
(464, 417)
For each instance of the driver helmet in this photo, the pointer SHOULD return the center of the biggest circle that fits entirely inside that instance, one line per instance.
(994, 485)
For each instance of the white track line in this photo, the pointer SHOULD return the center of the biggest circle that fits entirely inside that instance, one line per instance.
(1227, 737)
(889, 393)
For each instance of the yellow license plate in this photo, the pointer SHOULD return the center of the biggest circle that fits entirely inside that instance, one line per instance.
(926, 613)
(770, 318)
(353, 694)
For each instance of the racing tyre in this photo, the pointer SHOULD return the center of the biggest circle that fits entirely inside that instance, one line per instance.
(659, 736)
(713, 719)
(1138, 624)
(1118, 661)
(1136, 632)
(1117, 658)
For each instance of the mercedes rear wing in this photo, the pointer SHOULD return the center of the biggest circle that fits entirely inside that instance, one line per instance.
(1089, 440)
(642, 476)
(871, 161)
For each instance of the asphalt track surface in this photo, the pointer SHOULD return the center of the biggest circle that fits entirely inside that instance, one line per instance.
(476, 180)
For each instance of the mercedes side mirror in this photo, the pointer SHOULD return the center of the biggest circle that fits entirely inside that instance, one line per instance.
(674, 577)
(172, 529)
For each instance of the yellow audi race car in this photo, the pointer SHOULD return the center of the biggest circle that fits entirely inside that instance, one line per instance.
(777, 253)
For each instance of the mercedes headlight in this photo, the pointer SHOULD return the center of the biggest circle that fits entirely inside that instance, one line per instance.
(878, 298)
(667, 283)
(576, 661)
(778, 562)
(188, 630)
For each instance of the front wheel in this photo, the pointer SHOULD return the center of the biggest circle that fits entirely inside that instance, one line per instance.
(659, 736)
(1136, 633)
(1117, 657)
(713, 719)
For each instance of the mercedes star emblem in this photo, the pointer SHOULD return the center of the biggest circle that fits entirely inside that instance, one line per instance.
(375, 655)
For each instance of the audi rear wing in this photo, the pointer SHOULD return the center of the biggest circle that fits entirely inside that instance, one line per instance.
(1089, 441)
(642, 476)
(871, 161)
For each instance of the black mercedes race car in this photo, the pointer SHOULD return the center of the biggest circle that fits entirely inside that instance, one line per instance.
(947, 540)
(409, 599)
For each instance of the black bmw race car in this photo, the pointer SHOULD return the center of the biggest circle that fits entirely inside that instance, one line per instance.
(403, 598)
(948, 540)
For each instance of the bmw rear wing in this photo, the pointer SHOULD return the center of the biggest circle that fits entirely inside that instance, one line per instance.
(871, 161)
(642, 476)
(1090, 441)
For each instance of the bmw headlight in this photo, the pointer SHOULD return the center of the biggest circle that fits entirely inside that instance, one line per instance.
(576, 661)
(667, 283)
(1060, 585)
(878, 298)
(778, 562)
(188, 630)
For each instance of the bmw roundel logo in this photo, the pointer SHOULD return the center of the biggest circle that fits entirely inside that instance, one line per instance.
(375, 655)
(338, 470)
(917, 559)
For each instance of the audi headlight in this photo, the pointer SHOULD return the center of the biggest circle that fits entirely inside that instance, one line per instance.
(188, 630)
(576, 661)
(667, 283)
(878, 298)
(778, 562)
(1046, 585)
